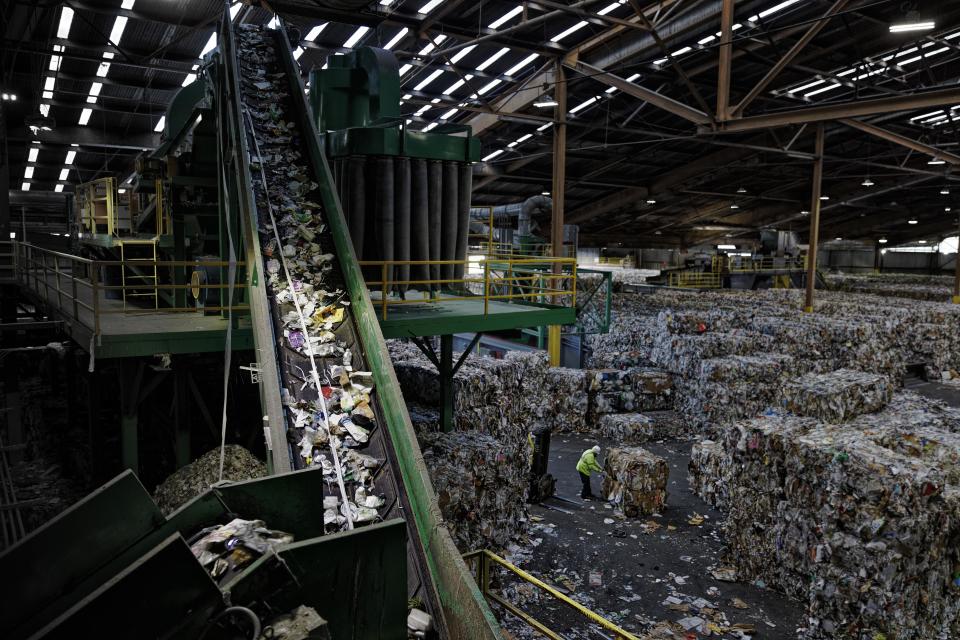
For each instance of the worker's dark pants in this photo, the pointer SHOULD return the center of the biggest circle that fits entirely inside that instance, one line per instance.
(585, 479)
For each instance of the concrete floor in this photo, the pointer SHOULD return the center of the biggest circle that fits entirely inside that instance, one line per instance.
(669, 558)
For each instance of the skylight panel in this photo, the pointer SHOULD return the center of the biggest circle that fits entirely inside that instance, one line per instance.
(433, 76)
(492, 155)
(64, 174)
(85, 117)
(927, 115)
(430, 6)
(355, 38)
(32, 155)
(48, 83)
(25, 186)
(459, 55)
(117, 32)
(127, 4)
(456, 85)
(505, 18)
(607, 9)
(489, 61)
(58, 188)
(70, 156)
(162, 121)
(806, 86)
(317, 30)
(487, 87)
(405, 68)
(545, 126)
(210, 46)
(520, 65)
(396, 39)
(28, 173)
(432, 45)
(772, 10)
(449, 114)
(563, 34)
(189, 79)
(524, 138)
(66, 19)
(429, 127)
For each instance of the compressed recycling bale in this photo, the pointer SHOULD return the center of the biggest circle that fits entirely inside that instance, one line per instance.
(188, 482)
(635, 480)
(568, 390)
(626, 428)
(633, 389)
(859, 520)
(837, 396)
(481, 495)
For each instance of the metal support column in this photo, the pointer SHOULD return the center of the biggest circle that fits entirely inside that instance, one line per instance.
(956, 268)
(130, 376)
(557, 195)
(726, 55)
(814, 221)
(446, 383)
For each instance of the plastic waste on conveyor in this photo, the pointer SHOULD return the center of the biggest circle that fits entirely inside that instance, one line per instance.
(334, 418)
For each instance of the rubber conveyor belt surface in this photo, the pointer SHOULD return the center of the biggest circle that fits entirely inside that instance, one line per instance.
(339, 426)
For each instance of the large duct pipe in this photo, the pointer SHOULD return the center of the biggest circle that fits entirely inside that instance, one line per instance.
(356, 202)
(435, 209)
(636, 43)
(448, 225)
(419, 220)
(464, 191)
(401, 219)
(384, 228)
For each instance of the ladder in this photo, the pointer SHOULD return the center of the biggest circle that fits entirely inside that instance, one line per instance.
(132, 252)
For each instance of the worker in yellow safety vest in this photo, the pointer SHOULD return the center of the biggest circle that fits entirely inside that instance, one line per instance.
(588, 463)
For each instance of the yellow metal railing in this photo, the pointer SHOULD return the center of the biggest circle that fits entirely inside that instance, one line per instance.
(695, 279)
(539, 280)
(76, 287)
(741, 264)
(481, 563)
(98, 206)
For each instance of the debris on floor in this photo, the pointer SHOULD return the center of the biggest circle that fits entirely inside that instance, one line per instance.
(635, 481)
(190, 481)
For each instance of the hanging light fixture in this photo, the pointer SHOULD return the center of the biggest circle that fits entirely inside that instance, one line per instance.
(882, 241)
(945, 191)
(868, 182)
(741, 190)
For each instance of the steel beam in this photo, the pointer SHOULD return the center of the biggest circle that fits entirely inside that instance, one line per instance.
(925, 100)
(726, 53)
(814, 221)
(87, 137)
(782, 63)
(656, 99)
(903, 141)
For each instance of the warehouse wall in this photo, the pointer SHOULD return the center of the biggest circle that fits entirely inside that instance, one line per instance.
(862, 261)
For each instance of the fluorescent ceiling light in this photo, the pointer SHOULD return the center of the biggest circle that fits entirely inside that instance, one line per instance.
(95, 90)
(297, 53)
(772, 10)
(583, 105)
(926, 115)
(830, 87)
(489, 61)
(48, 95)
(543, 104)
(449, 114)
(32, 155)
(422, 110)
(404, 69)
(935, 118)
(651, 201)
(520, 65)
(928, 54)
(48, 83)
(54, 63)
(867, 183)
(544, 127)
(882, 241)
(911, 222)
(189, 79)
(117, 32)
(505, 18)
(727, 247)
(460, 54)
(563, 34)
(63, 174)
(433, 76)
(317, 30)
(70, 156)
(936, 161)
(429, 127)
(806, 86)
(160, 123)
(28, 173)
(430, 6)
(824, 197)
(912, 26)
(432, 45)
(607, 9)
(127, 4)
(45, 110)
(922, 241)
(24, 187)
(945, 191)
(524, 138)
(492, 155)
(396, 39)
(58, 188)
(66, 19)
(355, 38)
(838, 239)
(610, 90)
(84, 117)
(706, 40)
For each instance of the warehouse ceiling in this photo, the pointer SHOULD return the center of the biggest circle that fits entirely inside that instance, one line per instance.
(648, 164)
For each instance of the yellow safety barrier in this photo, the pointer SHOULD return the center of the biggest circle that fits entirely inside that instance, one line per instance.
(480, 563)
(741, 264)
(540, 280)
(695, 280)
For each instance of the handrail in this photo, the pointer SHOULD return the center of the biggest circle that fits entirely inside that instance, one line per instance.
(499, 281)
(484, 557)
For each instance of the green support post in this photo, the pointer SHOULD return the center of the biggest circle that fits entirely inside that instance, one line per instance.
(179, 253)
(446, 383)
(181, 417)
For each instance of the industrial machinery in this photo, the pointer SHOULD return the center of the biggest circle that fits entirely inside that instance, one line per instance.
(211, 195)
(542, 484)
